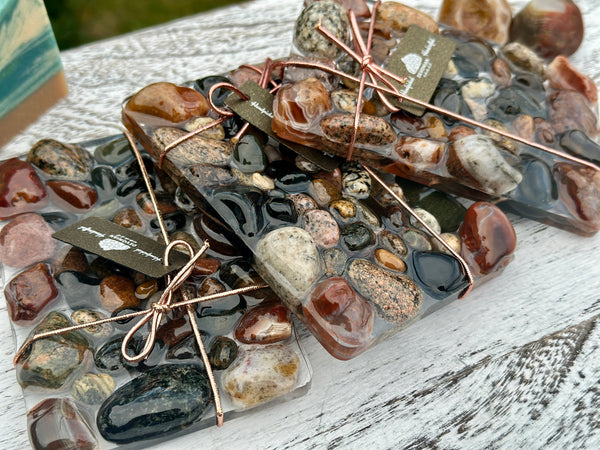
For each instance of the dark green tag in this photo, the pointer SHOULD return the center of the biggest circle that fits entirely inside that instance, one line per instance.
(258, 112)
(121, 245)
(421, 57)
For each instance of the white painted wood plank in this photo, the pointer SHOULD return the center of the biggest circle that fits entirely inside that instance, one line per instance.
(485, 372)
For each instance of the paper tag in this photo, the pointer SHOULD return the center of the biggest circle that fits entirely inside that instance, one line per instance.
(258, 111)
(421, 57)
(121, 245)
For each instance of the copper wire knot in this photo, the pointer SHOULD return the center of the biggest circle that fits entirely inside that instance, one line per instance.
(164, 309)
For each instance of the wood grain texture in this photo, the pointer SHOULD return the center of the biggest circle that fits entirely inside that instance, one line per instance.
(515, 365)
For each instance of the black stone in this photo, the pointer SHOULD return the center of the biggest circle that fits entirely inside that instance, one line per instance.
(222, 241)
(357, 236)
(446, 209)
(438, 273)
(105, 181)
(174, 221)
(186, 349)
(241, 208)
(223, 352)
(512, 102)
(280, 211)
(532, 84)
(579, 144)
(287, 176)
(203, 86)
(538, 187)
(130, 188)
(447, 96)
(108, 358)
(114, 152)
(131, 168)
(248, 154)
(159, 402)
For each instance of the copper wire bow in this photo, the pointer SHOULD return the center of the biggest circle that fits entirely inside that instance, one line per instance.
(163, 306)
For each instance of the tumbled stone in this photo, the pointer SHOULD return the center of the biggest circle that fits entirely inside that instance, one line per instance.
(28, 293)
(356, 181)
(345, 100)
(399, 17)
(334, 261)
(52, 362)
(288, 260)
(524, 57)
(262, 182)
(297, 109)
(569, 111)
(131, 168)
(174, 331)
(161, 401)
(549, 28)
(129, 218)
(372, 130)
(21, 190)
(323, 192)
(71, 196)
(147, 289)
(57, 423)
(563, 76)
(165, 203)
(205, 266)
(343, 210)
(60, 160)
(488, 19)
(259, 374)
(501, 73)
(393, 243)
(440, 274)
(248, 155)
(579, 144)
(173, 222)
(195, 150)
(426, 217)
(222, 353)
(280, 211)
(302, 203)
(109, 358)
(451, 239)
(168, 101)
(205, 84)
(241, 207)
(129, 189)
(26, 240)
(579, 189)
(416, 240)
(265, 323)
(219, 240)
(357, 236)
(488, 239)
(287, 176)
(216, 132)
(322, 227)
(104, 181)
(117, 292)
(396, 297)
(435, 127)
(538, 187)
(70, 258)
(502, 141)
(420, 153)
(114, 152)
(389, 260)
(93, 388)
(448, 212)
(476, 161)
(81, 316)
(333, 18)
(475, 93)
(340, 318)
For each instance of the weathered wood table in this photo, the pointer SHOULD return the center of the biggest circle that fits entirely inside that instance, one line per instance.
(515, 365)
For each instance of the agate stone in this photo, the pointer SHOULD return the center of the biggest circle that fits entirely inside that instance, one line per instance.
(223, 352)
(266, 323)
(57, 423)
(159, 402)
(259, 374)
(71, 196)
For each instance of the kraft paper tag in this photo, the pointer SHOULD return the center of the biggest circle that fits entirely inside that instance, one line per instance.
(421, 57)
(258, 112)
(122, 246)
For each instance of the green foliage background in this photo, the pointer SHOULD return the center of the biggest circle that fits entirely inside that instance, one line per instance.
(76, 22)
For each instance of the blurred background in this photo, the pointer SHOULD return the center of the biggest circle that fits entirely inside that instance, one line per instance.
(77, 22)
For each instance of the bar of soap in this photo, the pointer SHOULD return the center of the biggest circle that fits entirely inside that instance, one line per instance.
(31, 73)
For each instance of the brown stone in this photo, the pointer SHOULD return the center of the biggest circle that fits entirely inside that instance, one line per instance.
(579, 189)
(168, 101)
(174, 331)
(70, 258)
(563, 76)
(29, 292)
(488, 239)
(129, 218)
(390, 261)
(205, 266)
(372, 130)
(117, 292)
(569, 111)
(400, 17)
(488, 19)
(424, 153)
(71, 196)
(147, 289)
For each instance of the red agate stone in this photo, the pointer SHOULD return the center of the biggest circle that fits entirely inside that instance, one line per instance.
(264, 324)
(297, 109)
(168, 101)
(579, 189)
(21, 190)
(340, 318)
(71, 196)
(205, 266)
(57, 423)
(28, 293)
(562, 75)
(488, 238)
